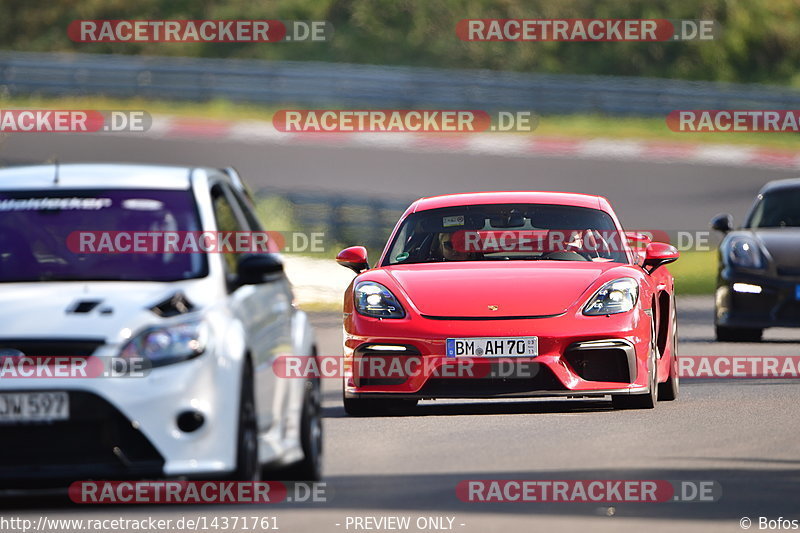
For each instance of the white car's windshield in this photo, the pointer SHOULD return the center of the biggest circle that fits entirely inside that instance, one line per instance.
(35, 226)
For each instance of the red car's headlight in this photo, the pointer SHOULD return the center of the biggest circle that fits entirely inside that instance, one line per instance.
(618, 296)
(375, 300)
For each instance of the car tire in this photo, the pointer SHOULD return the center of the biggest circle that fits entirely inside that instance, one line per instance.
(310, 468)
(668, 391)
(649, 399)
(247, 467)
(377, 406)
(726, 334)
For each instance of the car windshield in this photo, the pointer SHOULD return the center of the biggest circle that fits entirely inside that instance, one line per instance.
(508, 232)
(35, 226)
(777, 209)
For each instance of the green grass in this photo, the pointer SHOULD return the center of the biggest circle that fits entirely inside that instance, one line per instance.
(695, 272)
(651, 128)
(580, 126)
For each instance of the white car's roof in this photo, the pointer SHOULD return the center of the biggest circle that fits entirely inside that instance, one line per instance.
(91, 176)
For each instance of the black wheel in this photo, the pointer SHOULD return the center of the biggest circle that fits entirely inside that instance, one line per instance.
(377, 406)
(247, 467)
(668, 391)
(726, 334)
(310, 468)
(649, 399)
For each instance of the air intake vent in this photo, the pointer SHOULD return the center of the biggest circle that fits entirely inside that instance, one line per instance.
(84, 306)
(175, 305)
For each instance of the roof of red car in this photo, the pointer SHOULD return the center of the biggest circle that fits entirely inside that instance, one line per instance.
(518, 197)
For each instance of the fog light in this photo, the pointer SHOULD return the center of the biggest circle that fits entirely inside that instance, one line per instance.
(189, 421)
(386, 348)
(747, 287)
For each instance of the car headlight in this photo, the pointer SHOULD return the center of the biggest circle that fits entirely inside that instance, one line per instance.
(618, 296)
(744, 252)
(375, 300)
(170, 344)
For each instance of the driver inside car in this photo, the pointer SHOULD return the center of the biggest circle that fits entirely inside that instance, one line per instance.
(450, 252)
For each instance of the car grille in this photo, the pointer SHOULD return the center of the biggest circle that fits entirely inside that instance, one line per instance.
(53, 347)
(790, 312)
(600, 364)
(789, 271)
(96, 442)
(543, 380)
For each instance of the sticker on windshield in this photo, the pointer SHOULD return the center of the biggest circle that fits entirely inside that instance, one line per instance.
(449, 222)
(142, 204)
(55, 204)
(402, 257)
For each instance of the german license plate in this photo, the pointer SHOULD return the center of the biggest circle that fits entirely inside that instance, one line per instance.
(797, 292)
(493, 347)
(34, 406)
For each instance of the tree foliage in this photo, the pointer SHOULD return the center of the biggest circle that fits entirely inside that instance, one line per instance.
(760, 40)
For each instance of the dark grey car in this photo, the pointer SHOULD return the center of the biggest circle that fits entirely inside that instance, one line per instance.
(758, 285)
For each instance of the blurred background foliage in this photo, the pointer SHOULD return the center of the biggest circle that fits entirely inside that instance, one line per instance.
(759, 43)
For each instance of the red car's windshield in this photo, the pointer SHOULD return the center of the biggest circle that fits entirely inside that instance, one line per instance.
(508, 232)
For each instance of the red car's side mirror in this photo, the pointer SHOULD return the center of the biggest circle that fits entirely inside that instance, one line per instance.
(354, 258)
(658, 254)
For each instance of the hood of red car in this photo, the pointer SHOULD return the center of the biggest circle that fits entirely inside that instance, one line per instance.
(518, 288)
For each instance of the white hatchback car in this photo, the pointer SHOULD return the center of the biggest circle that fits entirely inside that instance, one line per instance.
(209, 326)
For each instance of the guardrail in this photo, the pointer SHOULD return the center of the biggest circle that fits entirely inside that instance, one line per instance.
(314, 84)
(345, 220)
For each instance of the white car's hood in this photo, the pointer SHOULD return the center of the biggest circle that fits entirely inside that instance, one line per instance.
(50, 310)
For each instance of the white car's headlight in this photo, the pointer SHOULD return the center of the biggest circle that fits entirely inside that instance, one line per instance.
(744, 252)
(163, 346)
(618, 296)
(375, 300)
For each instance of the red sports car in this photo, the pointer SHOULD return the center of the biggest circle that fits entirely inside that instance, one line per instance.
(510, 294)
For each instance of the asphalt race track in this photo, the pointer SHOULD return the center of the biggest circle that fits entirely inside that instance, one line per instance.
(741, 434)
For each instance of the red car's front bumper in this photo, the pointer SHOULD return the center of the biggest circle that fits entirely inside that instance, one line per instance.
(577, 356)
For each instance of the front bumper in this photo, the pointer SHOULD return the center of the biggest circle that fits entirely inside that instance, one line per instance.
(97, 442)
(578, 356)
(126, 427)
(777, 305)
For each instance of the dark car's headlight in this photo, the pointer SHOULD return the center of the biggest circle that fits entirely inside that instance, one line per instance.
(618, 296)
(744, 252)
(170, 344)
(375, 300)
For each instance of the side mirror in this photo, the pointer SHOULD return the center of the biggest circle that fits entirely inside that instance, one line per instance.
(253, 269)
(658, 254)
(354, 258)
(723, 223)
